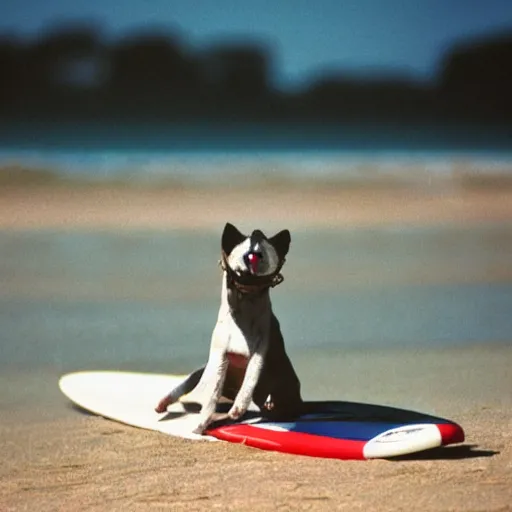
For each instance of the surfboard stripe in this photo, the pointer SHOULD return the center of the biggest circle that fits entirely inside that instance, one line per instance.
(352, 430)
(297, 443)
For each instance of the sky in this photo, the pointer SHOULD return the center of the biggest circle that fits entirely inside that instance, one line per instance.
(306, 37)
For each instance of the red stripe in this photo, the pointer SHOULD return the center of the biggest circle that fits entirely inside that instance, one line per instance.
(296, 443)
(450, 433)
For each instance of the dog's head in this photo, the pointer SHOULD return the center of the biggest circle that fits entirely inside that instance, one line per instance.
(254, 256)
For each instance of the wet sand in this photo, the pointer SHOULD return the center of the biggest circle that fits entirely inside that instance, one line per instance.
(321, 205)
(55, 458)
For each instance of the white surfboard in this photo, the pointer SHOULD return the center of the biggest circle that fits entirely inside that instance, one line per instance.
(130, 398)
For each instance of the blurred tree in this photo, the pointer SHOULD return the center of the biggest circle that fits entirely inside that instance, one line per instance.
(54, 73)
(151, 71)
(476, 79)
(11, 70)
(238, 72)
(347, 99)
(54, 59)
(70, 71)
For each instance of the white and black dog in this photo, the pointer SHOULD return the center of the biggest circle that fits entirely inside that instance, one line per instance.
(247, 358)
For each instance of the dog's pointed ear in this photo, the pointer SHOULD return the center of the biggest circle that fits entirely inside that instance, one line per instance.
(231, 237)
(281, 243)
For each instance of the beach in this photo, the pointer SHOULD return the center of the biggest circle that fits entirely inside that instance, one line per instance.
(82, 462)
(328, 205)
(66, 270)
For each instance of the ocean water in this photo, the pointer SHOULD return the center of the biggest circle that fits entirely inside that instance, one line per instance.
(148, 300)
(149, 153)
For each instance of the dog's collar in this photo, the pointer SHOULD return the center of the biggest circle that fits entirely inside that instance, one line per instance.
(251, 284)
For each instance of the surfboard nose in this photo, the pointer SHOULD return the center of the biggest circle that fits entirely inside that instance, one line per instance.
(451, 433)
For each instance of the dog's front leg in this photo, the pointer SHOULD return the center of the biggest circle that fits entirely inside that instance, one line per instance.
(212, 382)
(252, 375)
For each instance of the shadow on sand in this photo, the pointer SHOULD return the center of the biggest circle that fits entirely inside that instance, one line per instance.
(464, 451)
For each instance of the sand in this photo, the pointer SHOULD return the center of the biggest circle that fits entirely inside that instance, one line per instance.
(80, 462)
(64, 460)
(326, 206)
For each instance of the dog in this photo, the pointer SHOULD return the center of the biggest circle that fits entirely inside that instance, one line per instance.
(247, 360)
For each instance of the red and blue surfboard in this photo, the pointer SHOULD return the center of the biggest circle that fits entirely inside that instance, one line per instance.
(346, 430)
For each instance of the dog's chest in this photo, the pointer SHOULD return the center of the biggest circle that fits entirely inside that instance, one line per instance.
(243, 322)
(243, 335)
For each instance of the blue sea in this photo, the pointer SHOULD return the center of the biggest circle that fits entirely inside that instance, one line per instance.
(149, 153)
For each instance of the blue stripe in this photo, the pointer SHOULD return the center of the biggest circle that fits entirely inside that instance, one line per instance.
(354, 430)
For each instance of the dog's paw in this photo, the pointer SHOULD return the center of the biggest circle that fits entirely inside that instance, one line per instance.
(199, 430)
(239, 407)
(164, 403)
(203, 423)
(269, 404)
(201, 427)
(236, 412)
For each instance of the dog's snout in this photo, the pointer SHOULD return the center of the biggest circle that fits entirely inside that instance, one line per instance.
(253, 259)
